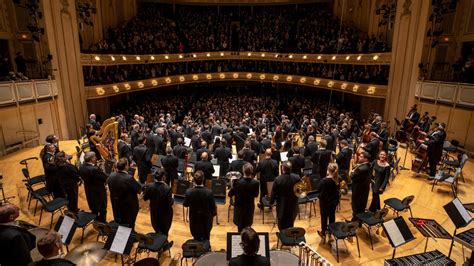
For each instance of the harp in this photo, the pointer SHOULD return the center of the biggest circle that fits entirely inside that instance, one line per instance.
(106, 140)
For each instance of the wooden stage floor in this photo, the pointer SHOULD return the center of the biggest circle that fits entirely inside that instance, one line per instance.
(427, 204)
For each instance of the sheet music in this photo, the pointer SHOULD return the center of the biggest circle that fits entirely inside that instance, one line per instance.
(394, 233)
(284, 156)
(121, 239)
(234, 157)
(217, 169)
(187, 142)
(65, 228)
(237, 249)
(465, 215)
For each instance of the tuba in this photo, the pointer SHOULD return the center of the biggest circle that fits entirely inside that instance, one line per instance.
(302, 187)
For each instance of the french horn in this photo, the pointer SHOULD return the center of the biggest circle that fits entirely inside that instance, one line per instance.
(302, 187)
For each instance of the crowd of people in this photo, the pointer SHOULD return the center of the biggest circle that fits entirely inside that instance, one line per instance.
(371, 74)
(160, 28)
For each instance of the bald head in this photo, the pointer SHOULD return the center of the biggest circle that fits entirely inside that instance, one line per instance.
(204, 156)
(8, 213)
(268, 152)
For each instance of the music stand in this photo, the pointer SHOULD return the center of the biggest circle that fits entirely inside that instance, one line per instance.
(458, 215)
(120, 241)
(66, 227)
(397, 232)
(429, 228)
(234, 249)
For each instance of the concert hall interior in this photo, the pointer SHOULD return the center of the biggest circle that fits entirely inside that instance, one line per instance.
(236, 132)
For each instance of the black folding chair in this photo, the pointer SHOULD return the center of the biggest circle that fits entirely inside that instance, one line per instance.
(179, 192)
(343, 231)
(153, 242)
(219, 187)
(372, 219)
(291, 237)
(398, 205)
(193, 249)
(53, 206)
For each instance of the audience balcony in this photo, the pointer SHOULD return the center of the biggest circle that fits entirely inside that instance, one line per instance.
(124, 59)
(25, 91)
(447, 93)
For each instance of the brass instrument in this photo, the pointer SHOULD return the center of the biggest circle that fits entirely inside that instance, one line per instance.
(343, 187)
(302, 187)
(106, 140)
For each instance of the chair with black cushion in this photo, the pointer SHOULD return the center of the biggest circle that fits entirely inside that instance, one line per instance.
(266, 200)
(291, 237)
(53, 206)
(153, 242)
(372, 219)
(193, 249)
(452, 165)
(147, 262)
(82, 220)
(39, 179)
(179, 192)
(398, 205)
(311, 198)
(102, 229)
(42, 192)
(343, 230)
(219, 187)
(452, 180)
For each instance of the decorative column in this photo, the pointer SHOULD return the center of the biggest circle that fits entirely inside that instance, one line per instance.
(63, 39)
(408, 37)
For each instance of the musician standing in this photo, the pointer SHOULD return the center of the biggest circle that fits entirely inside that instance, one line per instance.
(68, 176)
(321, 159)
(268, 169)
(311, 147)
(223, 154)
(383, 135)
(161, 203)
(343, 160)
(245, 190)
(124, 149)
(360, 177)
(435, 148)
(373, 146)
(285, 198)
(134, 135)
(297, 161)
(203, 148)
(141, 159)
(202, 208)
(179, 150)
(94, 186)
(93, 121)
(237, 165)
(381, 171)
(50, 169)
(123, 195)
(170, 164)
(328, 199)
(249, 155)
(205, 166)
(15, 242)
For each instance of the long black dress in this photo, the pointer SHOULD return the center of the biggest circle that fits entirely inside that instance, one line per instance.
(161, 206)
(380, 181)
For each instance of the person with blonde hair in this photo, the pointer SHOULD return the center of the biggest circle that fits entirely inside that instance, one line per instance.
(328, 198)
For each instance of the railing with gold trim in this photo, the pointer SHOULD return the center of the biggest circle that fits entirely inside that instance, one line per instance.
(446, 92)
(368, 90)
(125, 59)
(13, 92)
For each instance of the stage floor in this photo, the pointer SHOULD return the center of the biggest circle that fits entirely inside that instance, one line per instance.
(427, 204)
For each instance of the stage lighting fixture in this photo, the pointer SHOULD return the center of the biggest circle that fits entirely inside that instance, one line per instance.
(124, 58)
(112, 58)
(371, 90)
(138, 58)
(355, 88)
(319, 57)
(97, 58)
(359, 57)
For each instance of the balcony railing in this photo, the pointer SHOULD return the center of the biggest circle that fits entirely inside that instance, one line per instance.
(124, 59)
(17, 92)
(368, 90)
(456, 94)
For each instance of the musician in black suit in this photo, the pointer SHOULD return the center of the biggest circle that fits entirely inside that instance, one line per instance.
(239, 138)
(203, 148)
(343, 160)
(170, 164)
(228, 137)
(223, 154)
(321, 159)
(50, 247)
(254, 144)
(236, 165)
(123, 195)
(68, 176)
(435, 148)
(205, 166)
(331, 140)
(265, 143)
(140, 158)
(161, 203)
(373, 146)
(15, 242)
(297, 161)
(50, 169)
(124, 149)
(93, 121)
(250, 245)
(285, 198)
(311, 147)
(202, 208)
(94, 186)
(245, 190)
(383, 135)
(412, 117)
(361, 176)
(249, 155)
(179, 150)
(268, 169)
(134, 135)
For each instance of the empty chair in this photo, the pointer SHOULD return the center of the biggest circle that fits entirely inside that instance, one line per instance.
(39, 179)
(53, 206)
(218, 188)
(102, 229)
(343, 230)
(266, 200)
(42, 192)
(179, 192)
(452, 180)
(291, 236)
(153, 242)
(194, 249)
(398, 205)
(372, 219)
(455, 164)
(82, 220)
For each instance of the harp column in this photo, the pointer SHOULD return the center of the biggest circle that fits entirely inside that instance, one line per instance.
(63, 40)
(407, 46)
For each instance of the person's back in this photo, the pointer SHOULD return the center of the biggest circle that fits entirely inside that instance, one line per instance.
(247, 260)
(250, 244)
